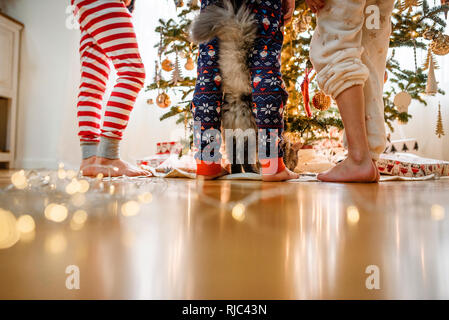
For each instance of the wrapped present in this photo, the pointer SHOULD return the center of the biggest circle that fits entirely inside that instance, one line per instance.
(153, 161)
(410, 165)
(163, 152)
(168, 147)
(402, 145)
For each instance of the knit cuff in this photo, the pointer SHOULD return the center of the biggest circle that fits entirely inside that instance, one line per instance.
(109, 148)
(88, 149)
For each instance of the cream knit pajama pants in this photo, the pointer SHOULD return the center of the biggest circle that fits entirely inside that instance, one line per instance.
(349, 49)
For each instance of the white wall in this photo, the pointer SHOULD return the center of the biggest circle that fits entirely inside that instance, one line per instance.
(424, 118)
(49, 77)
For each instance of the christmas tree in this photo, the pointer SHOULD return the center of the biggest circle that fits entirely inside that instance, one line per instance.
(414, 24)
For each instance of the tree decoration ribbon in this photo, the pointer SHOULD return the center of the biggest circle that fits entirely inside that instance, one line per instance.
(305, 92)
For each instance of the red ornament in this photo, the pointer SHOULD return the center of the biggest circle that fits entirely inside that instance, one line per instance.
(305, 92)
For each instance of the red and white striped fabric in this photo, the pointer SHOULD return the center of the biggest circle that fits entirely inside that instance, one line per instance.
(107, 34)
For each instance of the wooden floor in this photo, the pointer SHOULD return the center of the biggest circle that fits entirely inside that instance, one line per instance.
(242, 240)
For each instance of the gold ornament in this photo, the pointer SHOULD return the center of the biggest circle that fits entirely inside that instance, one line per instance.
(321, 101)
(427, 61)
(163, 100)
(432, 85)
(408, 5)
(167, 65)
(439, 131)
(440, 44)
(190, 65)
(302, 23)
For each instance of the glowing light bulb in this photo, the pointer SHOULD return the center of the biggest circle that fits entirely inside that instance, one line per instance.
(437, 212)
(73, 187)
(238, 212)
(56, 212)
(9, 234)
(80, 216)
(130, 208)
(100, 176)
(19, 180)
(84, 186)
(352, 215)
(25, 224)
(62, 174)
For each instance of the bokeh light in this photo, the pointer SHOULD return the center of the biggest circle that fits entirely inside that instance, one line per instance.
(238, 212)
(145, 197)
(437, 212)
(9, 234)
(55, 243)
(26, 224)
(19, 180)
(130, 208)
(56, 212)
(352, 215)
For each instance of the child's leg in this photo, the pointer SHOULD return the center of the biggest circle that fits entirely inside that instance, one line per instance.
(268, 89)
(205, 107)
(374, 57)
(94, 76)
(109, 24)
(336, 51)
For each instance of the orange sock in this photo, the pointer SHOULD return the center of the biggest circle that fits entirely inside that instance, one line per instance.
(272, 166)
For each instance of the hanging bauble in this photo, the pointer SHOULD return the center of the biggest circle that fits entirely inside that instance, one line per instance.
(163, 100)
(190, 65)
(385, 76)
(432, 85)
(179, 3)
(302, 23)
(440, 44)
(321, 101)
(402, 101)
(408, 5)
(439, 131)
(167, 65)
(429, 34)
(150, 101)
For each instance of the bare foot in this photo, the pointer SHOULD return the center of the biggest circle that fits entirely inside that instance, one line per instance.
(377, 170)
(87, 162)
(222, 173)
(121, 168)
(280, 176)
(350, 170)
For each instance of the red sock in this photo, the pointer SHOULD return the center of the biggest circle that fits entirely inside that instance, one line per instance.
(272, 166)
(206, 168)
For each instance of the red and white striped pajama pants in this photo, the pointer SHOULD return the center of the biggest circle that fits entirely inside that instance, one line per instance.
(107, 34)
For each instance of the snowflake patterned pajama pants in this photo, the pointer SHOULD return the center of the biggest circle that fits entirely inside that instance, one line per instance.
(349, 47)
(269, 94)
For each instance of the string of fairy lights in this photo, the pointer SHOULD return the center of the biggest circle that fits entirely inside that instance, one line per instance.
(65, 197)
